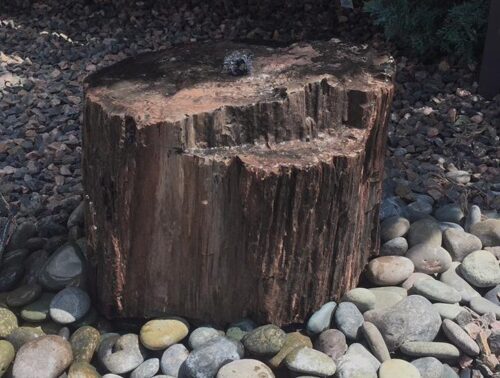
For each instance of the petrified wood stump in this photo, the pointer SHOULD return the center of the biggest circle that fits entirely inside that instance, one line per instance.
(214, 196)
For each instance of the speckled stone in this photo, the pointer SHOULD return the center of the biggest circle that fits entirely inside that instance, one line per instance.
(246, 368)
(389, 270)
(321, 319)
(201, 335)
(8, 322)
(7, 354)
(49, 354)
(159, 334)
(480, 269)
(460, 338)
(430, 349)
(172, 359)
(265, 340)
(396, 368)
(429, 259)
(147, 369)
(293, 340)
(306, 360)
(459, 244)
(84, 342)
(82, 369)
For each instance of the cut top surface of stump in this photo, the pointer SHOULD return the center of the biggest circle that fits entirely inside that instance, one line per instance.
(186, 87)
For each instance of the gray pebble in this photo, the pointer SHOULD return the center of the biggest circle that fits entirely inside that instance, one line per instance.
(348, 319)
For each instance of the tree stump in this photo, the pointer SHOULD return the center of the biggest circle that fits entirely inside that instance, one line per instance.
(213, 196)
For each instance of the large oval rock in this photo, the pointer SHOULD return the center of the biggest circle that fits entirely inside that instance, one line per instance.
(306, 360)
(389, 270)
(357, 363)
(394, 227)
(362, 298)
(69, 305)
(209, 358)
(120, 354)
(429, 258)
(430, 349)
(453, 279)
(398, 368)
(348, 319)
(429, 367)
(412, 319)
(480, 268)
(321, 319)
(66, 263)
(376, 341)
(159, 334)
(265, 340)
(245, 369)
(425, 231)
(46, 356)
(459, 243)
(460, 338)
(488, 231)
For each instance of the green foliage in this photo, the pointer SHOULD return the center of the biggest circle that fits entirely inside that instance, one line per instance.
(430, 28)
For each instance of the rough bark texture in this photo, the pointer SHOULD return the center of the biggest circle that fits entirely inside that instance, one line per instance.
(215, 197)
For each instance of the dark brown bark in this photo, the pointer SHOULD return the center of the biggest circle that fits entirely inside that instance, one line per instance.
(215, 197)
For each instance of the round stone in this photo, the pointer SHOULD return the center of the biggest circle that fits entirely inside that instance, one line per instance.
(451, 278)
(22, 335)
(69, 305)
(414, 277)
(7, 354)
(460, 338)
(84, 342)
(394, 247)
(363, 298)
(8, 322)
(201, 335)
(429, 367)
(418, 209)
(10, 275)
(443, 226)
(448, 311)
(436, 291)
(394, 227)
(321, 319)
(449, 213)
(264, 340)
(425, 231)
(396, 368)
(293, 340)
(459, 176)
(388, 296)
(480, 269)
(21, 235)
(483, 306)
(82, 369)
(332, 342)
(49, 354)
(24, 295)
(488, 231)
(120, 354)
(430, 349)
(473, 217)
(310, 361)
(348, 320)
(209, 358)
(357, 362)
(159, 334)
(172, 359)
(38, 310)
(389, 270)
(245, 369)
(399, 324)
(66, 263)
(376, 341)
(429, 259)
(459, 244)
(147, 369)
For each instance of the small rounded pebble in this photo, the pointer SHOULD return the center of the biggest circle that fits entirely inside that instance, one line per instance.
(448, 311)
(22, 335)
(293, 340)
(488, 231)
(414, 277)
(159, 334)
(480, 269)
(483, 306)
(375, 341)
(38, 310)
(429, 367)
(394, 227)
(396, 368)
(389, 270)
(84, 342)
(394, 247)
(147, 369)
(24, 295)
(8, 322)
(264, 340)
(120, 354)
(348, 320)
(172, 359)
(332, 342)
(201, 335)
(69, 305)
(310, 361)
(321, 319)
(246, 368)
(429, 258)
(425, 231)
(460, 338)
(7, 354)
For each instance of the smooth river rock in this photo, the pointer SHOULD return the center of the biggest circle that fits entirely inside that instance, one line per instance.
(332, 342)
(438, 350)
(388, 296)
(394, 247)
(201, 335)
(348, 320)
(414, 277)
(448, 311)
(396, 368)
(449, 213)
(321, 319)
(358, 362)
(120, 354)
(483, 306)
(306, 360)
(66, 263)
(488, 231)
(389, 270)
(147, 369)
(264, 340)
(436, 291)
(453, 279)
(7, 354)
(24, 295)
(362, 298)
(394, 227)
(376, 341)
(246, 368)
(44, 357)
(8, 322)
(293, 341)
(159, 334)
(84, 342)
(459, 244)
(412, 319)
(38, 310)
(172, 359)
(69, 305)
(429, 367)
(429, 259)
(460, 338)
(480, 269)
(425, 231)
